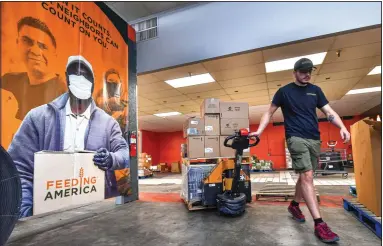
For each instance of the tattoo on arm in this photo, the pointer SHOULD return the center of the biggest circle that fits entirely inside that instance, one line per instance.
(331, 118)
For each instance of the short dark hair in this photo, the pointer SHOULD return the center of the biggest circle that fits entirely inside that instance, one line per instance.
(111, 71)
(36, 23)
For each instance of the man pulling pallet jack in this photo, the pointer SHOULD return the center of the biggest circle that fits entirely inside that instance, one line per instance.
(298, 101)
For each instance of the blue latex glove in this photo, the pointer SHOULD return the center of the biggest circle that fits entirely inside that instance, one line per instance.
(103, 159)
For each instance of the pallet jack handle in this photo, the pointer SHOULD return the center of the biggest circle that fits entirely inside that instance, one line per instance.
(241, 133)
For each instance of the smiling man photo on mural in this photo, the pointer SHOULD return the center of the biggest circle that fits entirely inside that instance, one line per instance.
(39, 84)
(72, 122)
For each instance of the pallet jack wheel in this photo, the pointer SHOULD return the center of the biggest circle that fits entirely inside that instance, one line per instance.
(228, 204)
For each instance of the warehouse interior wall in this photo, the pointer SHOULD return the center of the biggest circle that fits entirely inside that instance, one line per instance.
(165, 147)
(211, 30)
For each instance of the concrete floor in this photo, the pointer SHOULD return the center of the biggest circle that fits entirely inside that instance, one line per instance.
(151, 223)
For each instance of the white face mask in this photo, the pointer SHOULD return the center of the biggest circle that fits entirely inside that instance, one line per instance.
(80, 87)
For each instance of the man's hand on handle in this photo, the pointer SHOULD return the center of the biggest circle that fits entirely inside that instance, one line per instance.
(345, 135)
(252, 135)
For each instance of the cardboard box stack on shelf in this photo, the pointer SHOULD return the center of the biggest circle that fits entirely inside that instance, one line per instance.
(366, 140)
(206, 134)
(144, 160)
(144, 165)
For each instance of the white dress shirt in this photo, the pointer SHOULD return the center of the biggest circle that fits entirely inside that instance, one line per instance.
(75, 129)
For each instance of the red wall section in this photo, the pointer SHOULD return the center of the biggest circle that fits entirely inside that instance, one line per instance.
(170, 146)
(151, 145)
(166, 147)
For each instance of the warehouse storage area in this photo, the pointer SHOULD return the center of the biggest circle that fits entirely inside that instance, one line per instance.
(181, 160)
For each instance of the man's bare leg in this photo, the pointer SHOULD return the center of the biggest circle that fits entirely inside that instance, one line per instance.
(298, 191)
(308, 193)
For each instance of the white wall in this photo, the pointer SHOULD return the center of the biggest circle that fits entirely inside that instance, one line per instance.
(221, 28)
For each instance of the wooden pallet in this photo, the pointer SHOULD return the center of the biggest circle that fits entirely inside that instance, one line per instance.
(145, 177)
(364, 215)
(192, 207)
(278, 192)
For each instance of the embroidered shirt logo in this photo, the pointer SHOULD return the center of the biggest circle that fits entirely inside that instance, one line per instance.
(311, 94)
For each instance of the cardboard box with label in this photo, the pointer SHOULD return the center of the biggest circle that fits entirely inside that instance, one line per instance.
(366, 139)
(196, 146)
(194, 127)
(63, 179)
(212, 146)
(229, 126)
(234, 110)
(212, 125)
(210, 106)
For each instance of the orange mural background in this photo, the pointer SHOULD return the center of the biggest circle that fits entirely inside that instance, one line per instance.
(67, 22)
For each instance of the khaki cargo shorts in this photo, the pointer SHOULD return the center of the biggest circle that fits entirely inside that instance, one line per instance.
(304, 153)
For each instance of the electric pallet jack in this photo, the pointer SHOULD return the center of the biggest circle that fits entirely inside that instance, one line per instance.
(228, 187)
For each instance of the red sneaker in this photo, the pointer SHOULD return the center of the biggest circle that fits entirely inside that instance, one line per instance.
(324, 233)
(297, 214)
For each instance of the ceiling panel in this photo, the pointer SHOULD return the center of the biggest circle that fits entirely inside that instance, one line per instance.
(250, 94)
(368, 62)
(369, 81)
(146, 79)
(236, 61)
(153, 87)
(341, 75)
(171, 99)
(243, 81)
(180, 72)
(246, 88)
(240, 72)
(335, 90)
(299, 49)
(207, 94)
(278, 84)
(358, 38)
(184, 103)
(143, 102)
(200, 88)
(356, 52)
(162, 94)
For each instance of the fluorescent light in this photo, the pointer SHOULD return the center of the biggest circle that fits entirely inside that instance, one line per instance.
(376, 70)
(191, 80)
(287, 64)
(364, 90)
(167, 114)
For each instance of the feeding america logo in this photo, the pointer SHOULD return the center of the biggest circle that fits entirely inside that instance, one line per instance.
(57, 189)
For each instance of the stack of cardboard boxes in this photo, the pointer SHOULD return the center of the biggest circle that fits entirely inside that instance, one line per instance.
(145, 160)
(144, 165)
(206, 134)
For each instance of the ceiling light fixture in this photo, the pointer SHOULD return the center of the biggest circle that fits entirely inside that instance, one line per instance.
(376, 70)
(364, 90)
(167, 114)
(288, 64)
(191, 80)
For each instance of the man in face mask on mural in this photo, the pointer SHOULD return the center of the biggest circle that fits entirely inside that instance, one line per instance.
(109, 99)
(71, 122)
